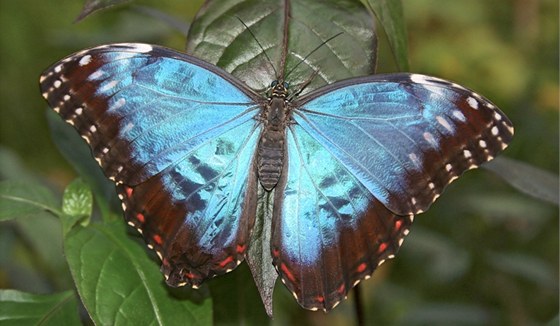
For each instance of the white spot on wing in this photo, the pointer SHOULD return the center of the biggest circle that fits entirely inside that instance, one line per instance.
(85, 60)
(414, 158)
(127, 128)
(96, 75)
(140, 47)
(497, 116)
(448, 167)
(442, 121)
(467, 153)
(118, 104)
(57, 83)
(473, 103)
(459, 115)
(108, 86)
(482, 143)
(421, 79)
(430, 139)
(495, 131)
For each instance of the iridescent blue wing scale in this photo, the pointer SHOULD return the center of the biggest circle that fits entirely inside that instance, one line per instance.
(178, 137)
(364, 156)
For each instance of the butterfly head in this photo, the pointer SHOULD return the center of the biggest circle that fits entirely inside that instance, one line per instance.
(278, 89)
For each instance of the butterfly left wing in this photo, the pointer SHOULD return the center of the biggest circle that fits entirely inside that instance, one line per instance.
(177, 136)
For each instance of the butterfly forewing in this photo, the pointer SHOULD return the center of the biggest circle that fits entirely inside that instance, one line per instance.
(404, 136)
(177, 136)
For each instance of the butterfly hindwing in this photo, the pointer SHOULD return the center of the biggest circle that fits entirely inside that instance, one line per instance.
(177, 136)
(328, 231)
(404, 136)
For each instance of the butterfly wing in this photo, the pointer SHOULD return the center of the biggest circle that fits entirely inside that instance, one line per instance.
(364, 156)
(405, 136)
(328, 230)
(177, 136)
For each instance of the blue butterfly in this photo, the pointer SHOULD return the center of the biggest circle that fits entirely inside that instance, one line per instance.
(188, 146)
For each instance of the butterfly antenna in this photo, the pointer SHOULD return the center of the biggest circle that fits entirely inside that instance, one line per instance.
(304, 85)
(310, 53)
(260, 45)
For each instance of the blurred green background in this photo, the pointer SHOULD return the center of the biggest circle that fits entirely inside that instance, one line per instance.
(484, 254)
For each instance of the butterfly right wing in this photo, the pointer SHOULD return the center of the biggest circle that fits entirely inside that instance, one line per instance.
(178, 137)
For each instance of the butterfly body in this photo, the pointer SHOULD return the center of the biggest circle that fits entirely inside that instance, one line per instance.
(188, 144)
(271, 150)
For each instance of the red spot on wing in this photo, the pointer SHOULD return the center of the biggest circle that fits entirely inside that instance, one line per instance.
(341, 289)
(275, 252)
(361, 268)
(157, 239)
(226, 261)
(287, 272)
(128, 191)
(140, 217)
(382, 247)
(190, 275)
(398, 224)
(320, 298)
(241, 248)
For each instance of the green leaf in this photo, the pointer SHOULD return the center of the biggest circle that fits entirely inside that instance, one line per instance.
(526, 178)
(390, 14)
(19, 199)
(310, 24)
(77, 204)
(119, 284)
(20, 308)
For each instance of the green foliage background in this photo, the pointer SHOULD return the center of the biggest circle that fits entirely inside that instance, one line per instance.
(483, 254)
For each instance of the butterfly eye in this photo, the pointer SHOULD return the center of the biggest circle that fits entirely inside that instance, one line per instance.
(274, 83)
(286, 85)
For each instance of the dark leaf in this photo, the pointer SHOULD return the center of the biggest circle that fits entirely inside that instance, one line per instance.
(311, 23)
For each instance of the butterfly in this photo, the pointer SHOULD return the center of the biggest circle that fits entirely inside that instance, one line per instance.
(188, 146)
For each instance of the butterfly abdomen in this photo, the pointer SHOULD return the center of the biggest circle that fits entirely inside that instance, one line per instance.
(271, 146)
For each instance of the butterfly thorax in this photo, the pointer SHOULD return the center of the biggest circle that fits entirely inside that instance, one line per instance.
(270, 153)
